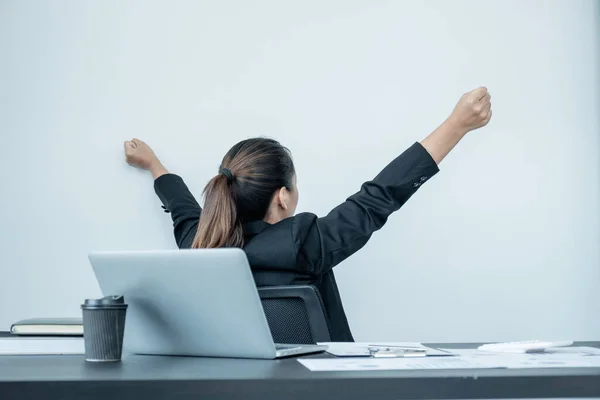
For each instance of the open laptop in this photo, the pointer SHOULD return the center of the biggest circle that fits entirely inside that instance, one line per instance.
(190, 302)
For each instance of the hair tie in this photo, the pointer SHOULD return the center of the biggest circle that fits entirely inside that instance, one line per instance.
(228, 174)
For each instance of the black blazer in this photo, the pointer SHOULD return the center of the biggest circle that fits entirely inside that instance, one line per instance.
(303, 249)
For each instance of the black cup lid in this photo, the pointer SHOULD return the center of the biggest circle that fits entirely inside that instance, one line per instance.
(106, 301)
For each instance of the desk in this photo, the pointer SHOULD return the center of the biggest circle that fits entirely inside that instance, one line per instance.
(178, 378)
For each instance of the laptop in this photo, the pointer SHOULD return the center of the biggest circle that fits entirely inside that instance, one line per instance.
(200, 302)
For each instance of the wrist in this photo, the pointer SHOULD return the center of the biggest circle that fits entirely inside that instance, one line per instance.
(453, 127)
(153, 164)
(157, 169)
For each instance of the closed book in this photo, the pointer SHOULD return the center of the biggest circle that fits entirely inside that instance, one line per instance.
(48, 327)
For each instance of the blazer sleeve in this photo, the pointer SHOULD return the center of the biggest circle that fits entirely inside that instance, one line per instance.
(179, 201)
(325, 242)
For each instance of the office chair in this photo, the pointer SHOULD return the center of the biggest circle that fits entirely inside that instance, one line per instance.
(295, 314)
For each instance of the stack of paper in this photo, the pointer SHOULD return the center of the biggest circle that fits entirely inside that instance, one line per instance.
(374, 364)
(37, 345)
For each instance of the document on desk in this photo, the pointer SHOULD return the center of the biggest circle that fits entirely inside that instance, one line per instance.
(568, 357)
(358, 349)
(38, 346)
(574, 351)
(382, 364)
(579, 350)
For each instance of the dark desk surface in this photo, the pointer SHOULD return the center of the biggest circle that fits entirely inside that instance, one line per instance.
(174, 378)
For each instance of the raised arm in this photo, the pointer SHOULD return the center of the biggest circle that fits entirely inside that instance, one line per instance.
(327, 241)
(473, 111)
(170, 188)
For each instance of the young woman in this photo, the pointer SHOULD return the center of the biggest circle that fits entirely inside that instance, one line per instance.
(252, 200)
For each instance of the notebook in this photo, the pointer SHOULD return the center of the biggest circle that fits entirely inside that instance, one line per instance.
(48, 327)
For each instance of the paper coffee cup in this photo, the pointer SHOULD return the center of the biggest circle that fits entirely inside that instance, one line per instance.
(103, 328)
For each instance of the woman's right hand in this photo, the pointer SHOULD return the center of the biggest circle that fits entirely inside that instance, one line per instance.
(139, 154)
(473, 110)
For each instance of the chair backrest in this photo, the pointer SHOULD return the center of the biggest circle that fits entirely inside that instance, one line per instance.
(295, 314)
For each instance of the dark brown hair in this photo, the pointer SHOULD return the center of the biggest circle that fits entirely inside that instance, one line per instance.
(250, 174)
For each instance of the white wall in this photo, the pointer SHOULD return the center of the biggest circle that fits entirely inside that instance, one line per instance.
(501, 245)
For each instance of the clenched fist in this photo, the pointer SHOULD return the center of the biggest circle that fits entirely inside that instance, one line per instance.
(473, 111)
(139, 154)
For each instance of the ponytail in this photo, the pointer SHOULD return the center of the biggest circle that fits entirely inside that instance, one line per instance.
(250, 174)
(219, 225)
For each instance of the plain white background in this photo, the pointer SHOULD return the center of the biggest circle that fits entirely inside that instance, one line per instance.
(501, 245)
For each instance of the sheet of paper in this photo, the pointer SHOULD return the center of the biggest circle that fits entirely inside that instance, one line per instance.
(378, 364)
(33, 346)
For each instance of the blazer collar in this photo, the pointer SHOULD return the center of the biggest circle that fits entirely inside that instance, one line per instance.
(254, 227)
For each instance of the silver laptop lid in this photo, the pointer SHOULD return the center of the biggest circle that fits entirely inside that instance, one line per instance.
(187, 302)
